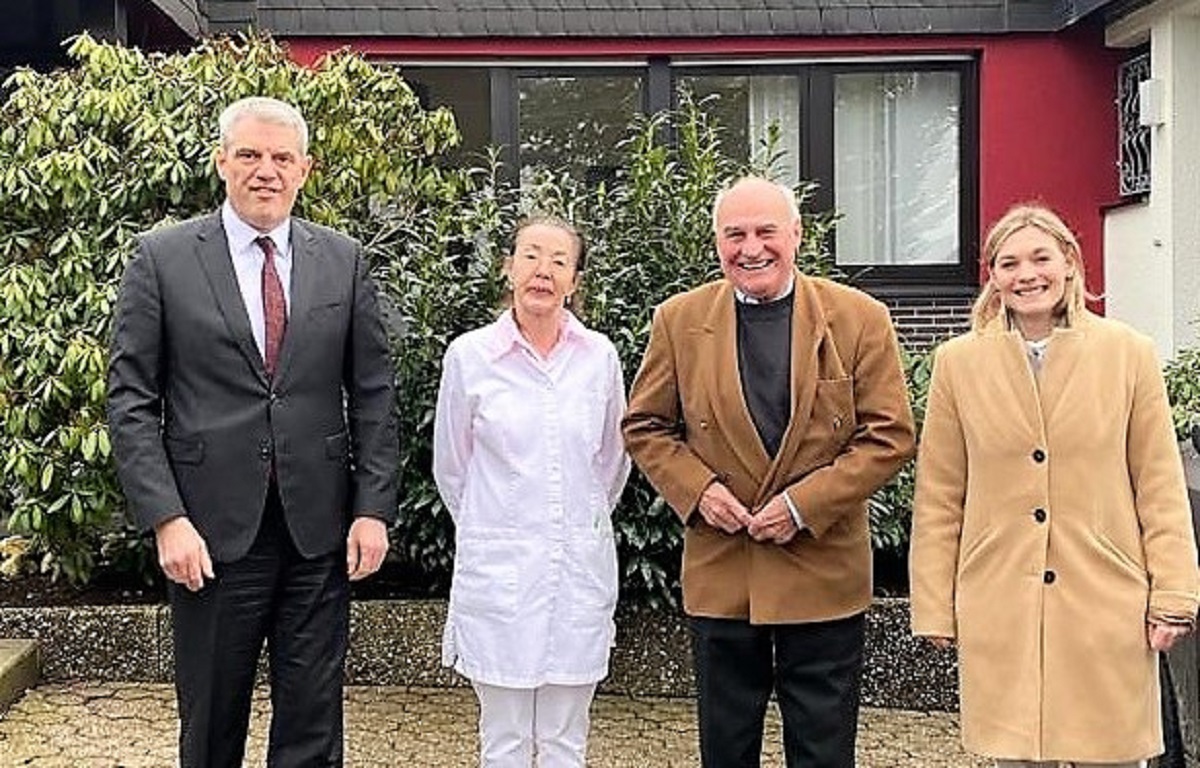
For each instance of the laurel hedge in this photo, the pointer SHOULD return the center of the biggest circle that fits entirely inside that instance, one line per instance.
(122, 141)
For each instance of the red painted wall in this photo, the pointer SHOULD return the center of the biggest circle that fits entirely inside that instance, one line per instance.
(1049, 132)
(1047, 114)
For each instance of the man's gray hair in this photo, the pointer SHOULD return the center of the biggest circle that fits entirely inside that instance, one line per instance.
(788, 193)
(267, 110)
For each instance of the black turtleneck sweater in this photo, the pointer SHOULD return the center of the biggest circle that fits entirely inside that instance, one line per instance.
(764, 342)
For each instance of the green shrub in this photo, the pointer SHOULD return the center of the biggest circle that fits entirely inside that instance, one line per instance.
(123, 142)
(891, 506)
(1183, 389)
(120, 143)
(649, 236)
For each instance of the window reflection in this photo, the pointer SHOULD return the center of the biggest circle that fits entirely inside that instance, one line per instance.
(746, 106)
(575, 124)
(896, 168)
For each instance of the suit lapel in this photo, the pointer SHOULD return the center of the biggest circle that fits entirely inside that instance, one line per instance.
(729, 407)
(212, 249)
(304, 283)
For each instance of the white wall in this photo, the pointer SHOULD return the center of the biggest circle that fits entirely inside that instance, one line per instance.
(1152, 259)
(1138, 276)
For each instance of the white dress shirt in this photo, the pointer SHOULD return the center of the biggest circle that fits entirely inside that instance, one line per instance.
(248, 259)
(528, 457)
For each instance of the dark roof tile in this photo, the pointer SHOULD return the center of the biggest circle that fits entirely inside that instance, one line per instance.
(704, 22)
(834, 21)
(577, 22)
(285, 18)
(599, 22)
(391, 18)
(916, 20)
(891, 18)
(230, 14)
(861, 21)
(652, 18)
(730, 22)
(499, 21)
(471, 24)
(369, 18)
(550, 22)
(628, 22)
(758, 22)
(678, 23)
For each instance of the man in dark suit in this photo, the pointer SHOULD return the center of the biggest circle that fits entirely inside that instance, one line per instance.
(768, 407)
(251, 406)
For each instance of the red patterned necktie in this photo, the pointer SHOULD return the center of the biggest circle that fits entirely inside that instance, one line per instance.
(274, 309)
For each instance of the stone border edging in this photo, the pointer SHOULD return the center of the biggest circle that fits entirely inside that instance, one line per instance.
(398, 642)
(18, 669)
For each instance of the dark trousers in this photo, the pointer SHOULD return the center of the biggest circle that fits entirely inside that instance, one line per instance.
(814, 670)
(301, 608)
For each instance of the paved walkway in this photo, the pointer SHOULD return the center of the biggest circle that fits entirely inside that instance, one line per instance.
(110, 725)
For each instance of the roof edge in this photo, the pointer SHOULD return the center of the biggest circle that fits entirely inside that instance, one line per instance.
(186, 15)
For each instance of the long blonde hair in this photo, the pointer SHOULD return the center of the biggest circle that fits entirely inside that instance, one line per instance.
(988, 304)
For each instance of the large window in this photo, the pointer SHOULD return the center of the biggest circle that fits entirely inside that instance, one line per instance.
(575, 123)
(467, 92)
(896, 168)
(892, 143)
(748, 106)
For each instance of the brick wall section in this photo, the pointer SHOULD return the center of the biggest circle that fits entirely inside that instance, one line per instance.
(922, 322)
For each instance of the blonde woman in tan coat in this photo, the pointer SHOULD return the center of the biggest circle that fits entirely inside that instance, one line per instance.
(1052, 540)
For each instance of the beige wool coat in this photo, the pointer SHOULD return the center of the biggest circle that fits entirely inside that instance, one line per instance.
(1051, 521)
(851, 428)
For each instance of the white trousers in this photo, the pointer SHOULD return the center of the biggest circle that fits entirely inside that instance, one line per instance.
(1057, 764)
(551, 722)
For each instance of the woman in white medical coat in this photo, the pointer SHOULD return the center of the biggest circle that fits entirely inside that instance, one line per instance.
(529, 460)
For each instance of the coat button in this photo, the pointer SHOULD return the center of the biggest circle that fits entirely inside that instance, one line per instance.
(1039, 514)
(1039, 455)
(703, 424)
(1048, 577)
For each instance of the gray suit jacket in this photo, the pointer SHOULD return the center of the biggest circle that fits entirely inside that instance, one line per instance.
(196, 424)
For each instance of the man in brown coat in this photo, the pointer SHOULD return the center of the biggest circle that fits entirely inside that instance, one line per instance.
(768, 407)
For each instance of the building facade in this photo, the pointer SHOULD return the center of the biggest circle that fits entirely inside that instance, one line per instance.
(921, 122)
(1152, 254)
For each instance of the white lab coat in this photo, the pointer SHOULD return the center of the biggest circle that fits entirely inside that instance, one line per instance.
(529, 460)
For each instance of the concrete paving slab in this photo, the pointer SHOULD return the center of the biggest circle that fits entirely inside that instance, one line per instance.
(128, 725)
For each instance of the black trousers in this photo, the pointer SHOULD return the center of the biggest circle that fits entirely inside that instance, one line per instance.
(301, 608)
(814, 670)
